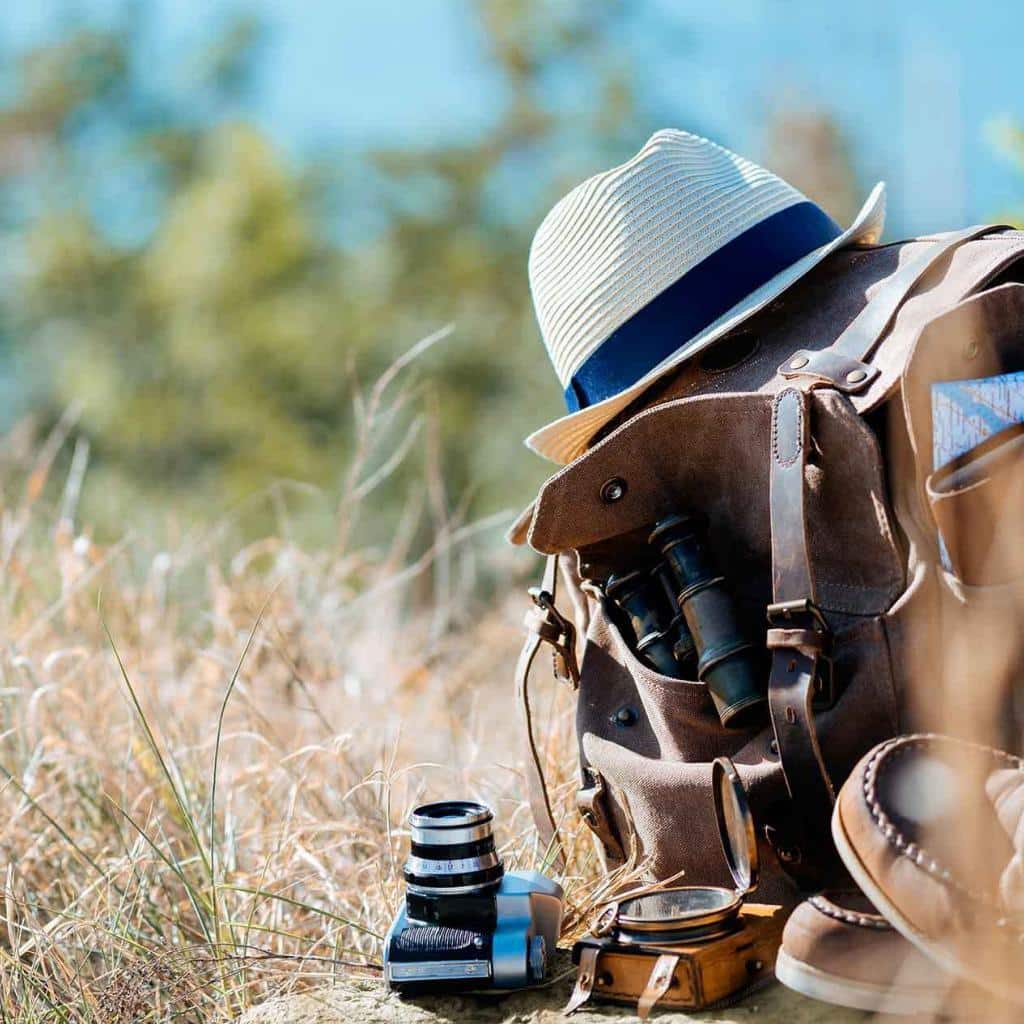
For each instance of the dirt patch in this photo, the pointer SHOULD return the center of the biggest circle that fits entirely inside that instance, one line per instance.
(362, 1001)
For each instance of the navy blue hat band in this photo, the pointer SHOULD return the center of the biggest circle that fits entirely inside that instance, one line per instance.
(698, 299)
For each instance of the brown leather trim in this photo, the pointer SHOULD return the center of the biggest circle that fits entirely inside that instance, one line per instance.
(590, 802)
(794, 667)
(543, 625)
(657, 984)
(791, 571)
(585, 975)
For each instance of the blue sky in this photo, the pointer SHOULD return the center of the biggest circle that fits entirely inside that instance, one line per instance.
(913, 84)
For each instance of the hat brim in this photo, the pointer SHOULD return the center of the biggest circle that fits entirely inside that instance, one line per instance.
(568, 437)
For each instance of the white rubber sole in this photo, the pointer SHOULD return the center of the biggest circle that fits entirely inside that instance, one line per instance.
(857, 995)
(935, 952)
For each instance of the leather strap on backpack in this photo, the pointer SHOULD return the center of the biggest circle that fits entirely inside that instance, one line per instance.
(798, 635)
(544, 625)
(799, 641)
(845, 364)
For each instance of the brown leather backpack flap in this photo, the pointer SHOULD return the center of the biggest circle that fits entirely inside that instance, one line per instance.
(711, 455)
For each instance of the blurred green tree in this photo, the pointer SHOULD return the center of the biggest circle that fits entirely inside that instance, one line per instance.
(207, 301)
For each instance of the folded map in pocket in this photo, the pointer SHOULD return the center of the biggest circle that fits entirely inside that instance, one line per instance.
(966, 412)
(976, 498)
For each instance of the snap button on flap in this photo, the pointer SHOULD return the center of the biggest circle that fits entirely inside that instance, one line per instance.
(625, 716)
(735, 824)
(613, 490)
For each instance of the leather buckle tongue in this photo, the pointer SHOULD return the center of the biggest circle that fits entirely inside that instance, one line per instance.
(658, 984)
(585, 976)
(548, 622)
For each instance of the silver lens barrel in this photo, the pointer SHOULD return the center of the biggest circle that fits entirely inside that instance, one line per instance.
(449, 822)
(453, 850)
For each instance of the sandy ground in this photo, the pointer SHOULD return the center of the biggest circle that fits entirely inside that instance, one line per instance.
(363, 1000)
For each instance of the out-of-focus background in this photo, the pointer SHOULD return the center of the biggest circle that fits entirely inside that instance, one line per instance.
(267, 357)
(216, 216)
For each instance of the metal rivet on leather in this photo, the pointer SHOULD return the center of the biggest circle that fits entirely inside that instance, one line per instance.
(613, 490)
(856, 376)
(797, 362)
(625, 717)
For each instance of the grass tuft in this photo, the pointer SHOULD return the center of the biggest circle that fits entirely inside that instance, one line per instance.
(206, 777)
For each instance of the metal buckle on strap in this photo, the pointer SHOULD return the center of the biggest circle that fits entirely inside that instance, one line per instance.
(787, 614)
(554, 628)
(804, 620)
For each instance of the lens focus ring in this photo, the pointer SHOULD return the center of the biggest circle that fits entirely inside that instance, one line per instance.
(452, 849)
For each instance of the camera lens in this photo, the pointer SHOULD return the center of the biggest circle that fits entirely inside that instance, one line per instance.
(453, 850)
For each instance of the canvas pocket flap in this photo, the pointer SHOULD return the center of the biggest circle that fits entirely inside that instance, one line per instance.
(983, 336)
(710, 455)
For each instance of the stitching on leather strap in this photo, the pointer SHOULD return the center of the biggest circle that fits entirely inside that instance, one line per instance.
(795, 667)
(777, 413)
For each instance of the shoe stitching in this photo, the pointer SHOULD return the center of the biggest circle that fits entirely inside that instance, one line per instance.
(829, 909)
(921, 858)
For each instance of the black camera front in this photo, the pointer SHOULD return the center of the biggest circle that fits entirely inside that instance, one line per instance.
(466, 924)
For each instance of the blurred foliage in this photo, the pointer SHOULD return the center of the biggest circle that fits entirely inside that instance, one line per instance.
(805, 146)
(207, 302)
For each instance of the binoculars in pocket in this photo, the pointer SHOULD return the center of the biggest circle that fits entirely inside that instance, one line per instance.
(684, 621)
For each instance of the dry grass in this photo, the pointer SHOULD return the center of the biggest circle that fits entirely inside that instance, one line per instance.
(207, 754)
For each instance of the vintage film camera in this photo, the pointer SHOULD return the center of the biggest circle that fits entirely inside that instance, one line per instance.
(466, 924)
(689, 947)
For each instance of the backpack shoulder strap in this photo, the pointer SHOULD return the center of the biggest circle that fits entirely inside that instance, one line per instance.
(846, 364)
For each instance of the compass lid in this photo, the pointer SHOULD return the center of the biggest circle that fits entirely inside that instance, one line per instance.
(735, 825)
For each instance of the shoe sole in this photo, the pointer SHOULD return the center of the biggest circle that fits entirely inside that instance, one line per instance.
(856, 995)
(934, 951)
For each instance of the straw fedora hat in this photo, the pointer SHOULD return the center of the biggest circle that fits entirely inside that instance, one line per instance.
(641, 267)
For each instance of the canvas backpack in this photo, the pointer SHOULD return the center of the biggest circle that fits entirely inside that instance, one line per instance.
(804, 438)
